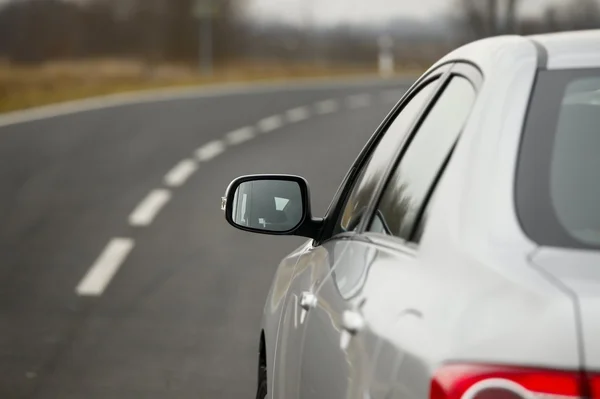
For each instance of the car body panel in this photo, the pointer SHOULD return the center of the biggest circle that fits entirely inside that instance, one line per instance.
(274, 308)
(579, 271)
(312, 269)
(579, 49)
(444, 306)
(348, 359)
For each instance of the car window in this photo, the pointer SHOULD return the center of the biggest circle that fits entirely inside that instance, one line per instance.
(558, 175)
(375, 167)
(411, 183)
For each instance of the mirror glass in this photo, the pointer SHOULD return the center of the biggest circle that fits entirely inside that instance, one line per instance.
(268, 205)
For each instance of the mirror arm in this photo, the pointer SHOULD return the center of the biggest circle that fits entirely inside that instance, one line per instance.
(310, 228)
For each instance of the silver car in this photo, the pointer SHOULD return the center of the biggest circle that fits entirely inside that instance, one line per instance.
(460, 257)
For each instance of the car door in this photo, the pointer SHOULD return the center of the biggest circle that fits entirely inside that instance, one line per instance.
(317, 262)
(324, 376)
(343, 353)
(400, 287)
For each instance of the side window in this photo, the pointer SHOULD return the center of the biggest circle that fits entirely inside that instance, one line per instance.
(411, 183)
(375, 167)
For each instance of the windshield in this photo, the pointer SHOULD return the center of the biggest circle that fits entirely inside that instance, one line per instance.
(558, 177)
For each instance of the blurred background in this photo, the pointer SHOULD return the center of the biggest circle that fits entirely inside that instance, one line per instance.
(53, 50)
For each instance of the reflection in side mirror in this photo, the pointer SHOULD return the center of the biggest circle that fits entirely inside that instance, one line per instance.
(269, 205)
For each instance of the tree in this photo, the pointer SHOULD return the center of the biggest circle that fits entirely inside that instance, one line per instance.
(154, 30)
(481, 18)
(474, 17)
(585, 16)
(511, 16)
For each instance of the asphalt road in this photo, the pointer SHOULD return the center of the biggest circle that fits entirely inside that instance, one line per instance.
(180, 316)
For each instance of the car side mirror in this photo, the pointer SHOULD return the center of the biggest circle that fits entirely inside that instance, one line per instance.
(270, 204)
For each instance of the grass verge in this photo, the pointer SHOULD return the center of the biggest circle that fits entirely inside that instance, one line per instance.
(24, 87)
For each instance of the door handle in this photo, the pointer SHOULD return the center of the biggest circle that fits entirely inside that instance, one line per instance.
(308, 300)
(352, 322)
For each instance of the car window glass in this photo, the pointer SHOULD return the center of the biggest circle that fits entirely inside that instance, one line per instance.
(379, 160)
(557, 190)
(410, 183)
(575, 163)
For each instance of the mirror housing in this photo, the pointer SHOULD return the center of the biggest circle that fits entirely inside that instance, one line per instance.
(271, 204)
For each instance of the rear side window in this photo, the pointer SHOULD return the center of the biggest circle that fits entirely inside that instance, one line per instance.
(558, 175)
(410, 185)
(378, 162)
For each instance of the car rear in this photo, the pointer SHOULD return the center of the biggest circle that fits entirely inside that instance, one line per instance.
(558, 189)
(557, 199)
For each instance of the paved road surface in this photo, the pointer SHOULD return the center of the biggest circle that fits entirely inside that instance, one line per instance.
(137, 188)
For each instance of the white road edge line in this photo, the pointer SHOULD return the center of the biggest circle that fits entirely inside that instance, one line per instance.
(358, 101)
(147, 210)
(104, 268)
(327, 106)
(210, 150)
(181, 173)
(240, 135)
(297, 114)
(269, 124)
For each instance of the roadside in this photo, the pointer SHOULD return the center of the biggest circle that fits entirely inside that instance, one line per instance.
(23, 87)
(179, 316)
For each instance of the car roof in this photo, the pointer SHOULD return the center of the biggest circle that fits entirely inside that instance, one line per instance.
(562, 50)
(575, 49)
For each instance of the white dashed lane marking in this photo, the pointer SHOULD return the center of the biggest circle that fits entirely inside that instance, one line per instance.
(241, 135)
(147, 210)
(210, 150)
(358, 101)
(297, 114)
(102, 271)
(327, 107)
(269, 124)
(181, 173)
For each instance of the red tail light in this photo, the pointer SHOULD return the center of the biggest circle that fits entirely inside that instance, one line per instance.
(474, 381)
(594, 384)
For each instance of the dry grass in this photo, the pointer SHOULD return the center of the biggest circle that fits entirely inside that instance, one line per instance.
(23, 87)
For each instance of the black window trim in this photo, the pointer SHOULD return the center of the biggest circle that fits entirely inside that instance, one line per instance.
(335, 207)
(465, 70)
